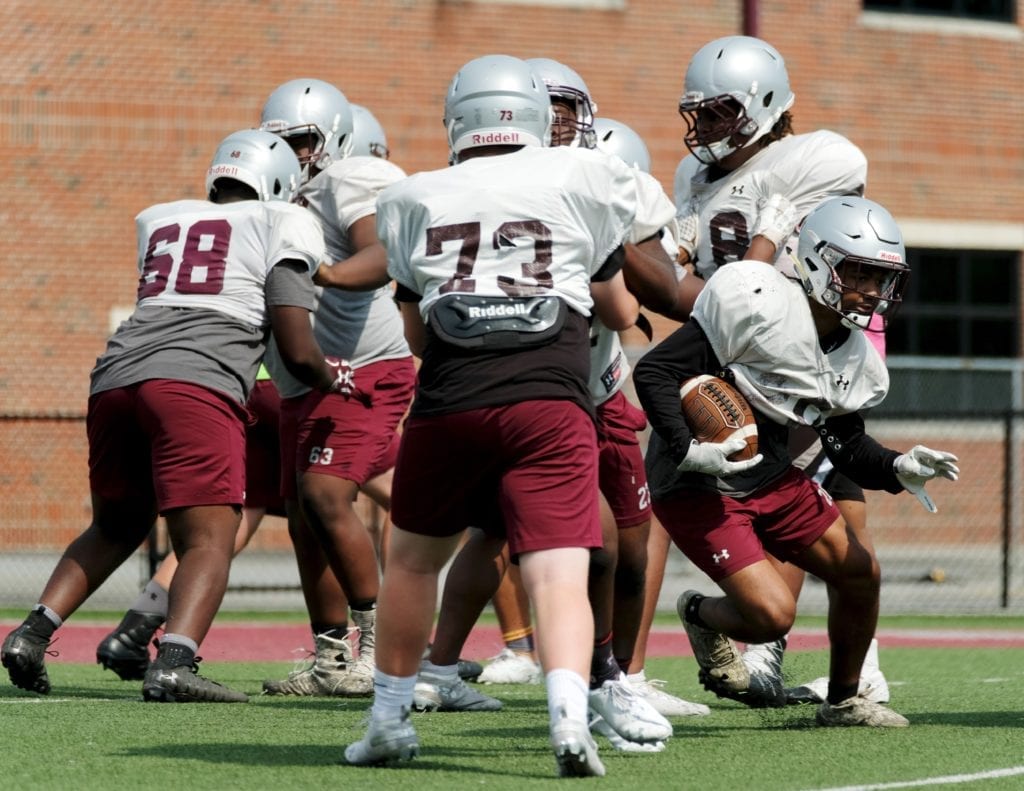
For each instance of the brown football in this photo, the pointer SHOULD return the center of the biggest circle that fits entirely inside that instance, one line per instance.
(716, 411)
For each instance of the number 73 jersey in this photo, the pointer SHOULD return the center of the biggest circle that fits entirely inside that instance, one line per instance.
(198, 254)
(540, 221)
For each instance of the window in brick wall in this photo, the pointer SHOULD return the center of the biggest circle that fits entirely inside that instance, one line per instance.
(987, 10)
(959, 303)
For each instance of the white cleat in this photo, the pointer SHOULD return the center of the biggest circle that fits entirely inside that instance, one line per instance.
(508, 667)
(632, 717)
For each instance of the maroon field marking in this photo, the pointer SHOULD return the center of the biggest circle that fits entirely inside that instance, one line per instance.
(270, 642)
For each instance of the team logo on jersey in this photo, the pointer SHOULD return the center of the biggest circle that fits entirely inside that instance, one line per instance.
(612, 374)
(737, 189)
(843, 382)
(718, 557)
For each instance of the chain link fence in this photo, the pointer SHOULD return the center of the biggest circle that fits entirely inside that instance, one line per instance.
(967, 558)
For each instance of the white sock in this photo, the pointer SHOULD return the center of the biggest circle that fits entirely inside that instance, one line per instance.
(566, 689)
(392, 695)
(639, 677)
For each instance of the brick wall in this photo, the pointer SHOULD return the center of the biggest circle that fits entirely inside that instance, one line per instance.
(108, 107)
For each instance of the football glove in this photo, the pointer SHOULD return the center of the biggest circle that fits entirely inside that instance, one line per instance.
(686, 230)
(920, 465)
(711, 458)
(776, 219)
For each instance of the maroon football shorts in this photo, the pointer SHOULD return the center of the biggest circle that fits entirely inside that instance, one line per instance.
(621, 475)
(722, 535)
(263, 449)
(331, 434)
(526, 470)
(181, 443)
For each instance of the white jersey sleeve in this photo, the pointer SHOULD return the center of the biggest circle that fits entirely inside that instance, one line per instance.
(654, 209)
(537, 221)
(197, 254)
(344, 193)
(759, 325)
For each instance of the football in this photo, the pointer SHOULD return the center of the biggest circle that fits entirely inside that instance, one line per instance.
(715, 411)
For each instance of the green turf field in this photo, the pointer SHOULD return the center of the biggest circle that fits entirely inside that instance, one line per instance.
(966, 707)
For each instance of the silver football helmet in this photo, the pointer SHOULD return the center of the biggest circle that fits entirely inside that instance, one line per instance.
(496, 100)
(848, 244)
(368, 138)
(259, 159)
(565, 84)
(614, 137)
(736, 88)
(314, 108)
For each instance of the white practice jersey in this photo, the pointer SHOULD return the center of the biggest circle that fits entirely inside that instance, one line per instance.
(360, 326)
(805, 169)
(760, 325)
(560, 214)
(215, 256)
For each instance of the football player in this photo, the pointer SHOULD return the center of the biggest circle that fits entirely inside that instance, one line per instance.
(797, 351)
(368, 138)
(740, 194)
(498, 308)
(166, 417)
(619, 711)
(334, 447)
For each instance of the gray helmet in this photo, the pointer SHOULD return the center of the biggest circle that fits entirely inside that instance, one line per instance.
(566, 84)
(736, 89)
(259, 159)
(847, 232)
(311, 107)
(496, 100)
(614, 137)
(368, 138)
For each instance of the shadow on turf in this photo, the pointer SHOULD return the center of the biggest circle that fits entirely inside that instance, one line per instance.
(433, 758)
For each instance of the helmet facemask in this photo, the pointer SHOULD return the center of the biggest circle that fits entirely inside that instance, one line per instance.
(885, 282)
(582, 122)
(715, 127)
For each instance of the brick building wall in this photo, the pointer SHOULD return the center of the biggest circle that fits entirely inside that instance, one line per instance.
(108, 107)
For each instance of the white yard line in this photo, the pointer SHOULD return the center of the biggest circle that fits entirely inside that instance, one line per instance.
(992, 774)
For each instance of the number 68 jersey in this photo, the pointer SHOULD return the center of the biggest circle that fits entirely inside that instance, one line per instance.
(201, 310)
(197, 254)
(539, 221)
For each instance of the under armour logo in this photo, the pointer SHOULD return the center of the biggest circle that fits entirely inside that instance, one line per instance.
(718, 557)
(843, 382)
(737, 189)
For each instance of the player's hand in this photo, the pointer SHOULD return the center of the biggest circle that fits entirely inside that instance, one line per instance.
(711, 458)
(920, 465)
(322, 276)
(687, 224)
(344, 381)
(776, 219)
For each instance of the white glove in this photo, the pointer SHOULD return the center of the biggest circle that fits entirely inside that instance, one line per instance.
(776, 219)
(686, 230)
(711, 458)
(920, 465)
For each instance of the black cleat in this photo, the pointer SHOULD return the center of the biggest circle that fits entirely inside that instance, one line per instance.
(23, 654)
(173, 677)
(126, 649)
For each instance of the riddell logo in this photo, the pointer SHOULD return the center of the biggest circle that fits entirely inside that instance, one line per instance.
(223, 170)
(493, 311)
(885, 255)
(496, 137)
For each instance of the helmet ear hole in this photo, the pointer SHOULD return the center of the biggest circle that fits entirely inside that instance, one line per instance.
(767, 100)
